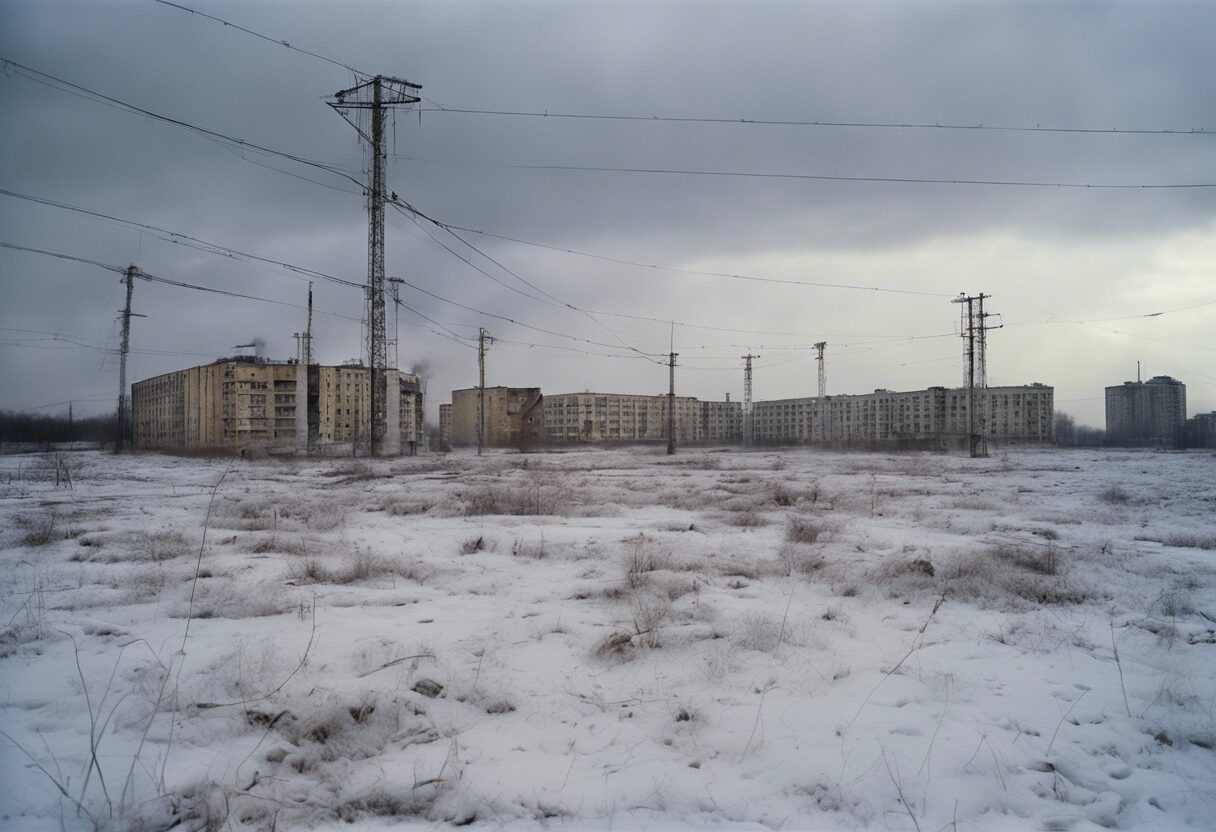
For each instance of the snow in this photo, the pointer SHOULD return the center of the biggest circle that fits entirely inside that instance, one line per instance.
(601, 639)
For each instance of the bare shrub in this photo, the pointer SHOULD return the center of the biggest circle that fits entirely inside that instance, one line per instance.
(1188, 541)
(473, 544)
(1041, 559)
(801, 558)
(534, 498)
(39, 529)
(782, 495)
(405, 508)
(641, 559)
(364, 565)
(803, 530)
(235, 601)
(749, 519)
(314, 571)
(649, 612)
(1005, 575)
(351, 472)
(976, 504)
(1114, 495)
(162, 545)
(530, 549)
(760, 632)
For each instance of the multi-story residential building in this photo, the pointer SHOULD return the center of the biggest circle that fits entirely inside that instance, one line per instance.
(251, 402)
(514, 417)
(721, 421)
(622, 417)
(445, 426)
(1004, 414)
(1200, 431)
(1147, 413)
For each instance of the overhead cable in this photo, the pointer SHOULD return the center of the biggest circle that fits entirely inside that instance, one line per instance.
(268, 38)
(819, 177)
(51, 80)
(884, 125)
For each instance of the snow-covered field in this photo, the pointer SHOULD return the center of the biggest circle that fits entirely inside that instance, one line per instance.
(610, 639)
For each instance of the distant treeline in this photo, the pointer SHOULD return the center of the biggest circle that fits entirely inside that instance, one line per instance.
(1069, 434)
(34, 427)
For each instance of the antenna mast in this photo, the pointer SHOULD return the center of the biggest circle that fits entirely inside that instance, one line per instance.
(748, 426)
(370, 101)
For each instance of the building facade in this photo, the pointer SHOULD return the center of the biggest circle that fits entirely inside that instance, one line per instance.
(514, 417)
(1146, 413)
(255, 403)
(935, 415)
(623, 417)
(1201, 430)
(445, 426)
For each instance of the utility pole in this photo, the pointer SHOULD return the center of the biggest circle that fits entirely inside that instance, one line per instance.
(307, 357)
(395, 286)
(671, 403)
(482, 337)
(823, 390)
(370, 101)
(120, 436)
(974, 330)
(748, 425)
(823, 373)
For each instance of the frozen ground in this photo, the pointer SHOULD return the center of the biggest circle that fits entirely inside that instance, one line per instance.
(611, 639)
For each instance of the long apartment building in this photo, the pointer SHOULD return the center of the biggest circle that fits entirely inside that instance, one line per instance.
(622, 417)
(514, 417)
(1003, 414)
(249, 402)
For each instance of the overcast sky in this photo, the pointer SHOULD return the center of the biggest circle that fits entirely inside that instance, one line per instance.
(1067, 268)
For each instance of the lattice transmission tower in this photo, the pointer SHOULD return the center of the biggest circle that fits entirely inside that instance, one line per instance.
(749, 431)
(365, 106)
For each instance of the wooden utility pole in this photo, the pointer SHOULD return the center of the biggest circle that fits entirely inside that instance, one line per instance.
(482, 338)
(120, 433)
(671, 403)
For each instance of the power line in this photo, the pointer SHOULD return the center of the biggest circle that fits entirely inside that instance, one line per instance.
(179, 238)
(447, 333)
(92, 397)
(267, 38)
(884, 125)
(359, 73)
(402, 207)
(521, 323)
(81, 341)
(627, 262)
(816, 177)
(51, 80)
(157, 279)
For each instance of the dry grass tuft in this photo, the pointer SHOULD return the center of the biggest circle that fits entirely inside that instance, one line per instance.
(641, 559)
(803, 530)
(533, 499)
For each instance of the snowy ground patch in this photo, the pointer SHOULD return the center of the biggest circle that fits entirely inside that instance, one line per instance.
(611, 639)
